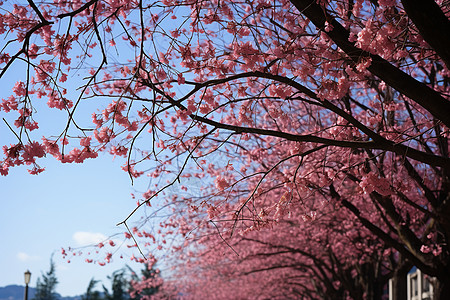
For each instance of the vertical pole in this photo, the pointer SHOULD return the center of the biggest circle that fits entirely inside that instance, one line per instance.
(26, 292)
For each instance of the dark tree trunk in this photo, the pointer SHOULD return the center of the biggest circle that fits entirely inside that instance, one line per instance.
(399, 284)
(420, 11)
(442, 289)
(374, 286)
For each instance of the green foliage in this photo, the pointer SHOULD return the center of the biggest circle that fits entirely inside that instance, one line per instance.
(45, 287)
(90, 293)
(119, 287)
(149, 274)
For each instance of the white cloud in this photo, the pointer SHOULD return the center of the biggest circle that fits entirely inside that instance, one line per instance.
(83, 238)
(22, 256)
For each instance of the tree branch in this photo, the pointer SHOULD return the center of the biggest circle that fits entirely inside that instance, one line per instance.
(385, 145)
(388, 239)
(417, 91)
(420, 11)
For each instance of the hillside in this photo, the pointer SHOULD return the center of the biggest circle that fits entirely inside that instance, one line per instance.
(16, 292)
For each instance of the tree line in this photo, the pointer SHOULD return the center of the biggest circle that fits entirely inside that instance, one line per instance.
(121, 285)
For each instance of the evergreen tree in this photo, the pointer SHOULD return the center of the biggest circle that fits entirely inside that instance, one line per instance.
(90, 293)
(45, 287)
(119, 287)
(151, 276)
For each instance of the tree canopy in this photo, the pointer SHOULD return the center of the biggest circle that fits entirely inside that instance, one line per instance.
(306, 140)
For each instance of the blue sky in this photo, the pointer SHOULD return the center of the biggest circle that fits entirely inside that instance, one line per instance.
(67, 205)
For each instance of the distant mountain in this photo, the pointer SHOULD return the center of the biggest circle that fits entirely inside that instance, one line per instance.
(17, 292)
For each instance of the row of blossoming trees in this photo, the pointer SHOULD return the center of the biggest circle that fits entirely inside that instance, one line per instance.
(301, 146)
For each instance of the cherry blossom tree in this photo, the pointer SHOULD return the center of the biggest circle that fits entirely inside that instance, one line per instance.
(260, 114)
(301, 258)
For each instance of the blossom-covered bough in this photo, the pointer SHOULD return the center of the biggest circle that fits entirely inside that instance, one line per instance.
(309, 136)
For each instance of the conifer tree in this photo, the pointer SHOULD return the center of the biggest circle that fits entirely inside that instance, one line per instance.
(119, 287)
(46, 284)
(90, 293)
